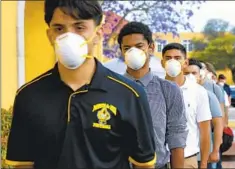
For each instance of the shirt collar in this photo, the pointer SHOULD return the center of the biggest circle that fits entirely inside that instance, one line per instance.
(98, 80)
(143, 80)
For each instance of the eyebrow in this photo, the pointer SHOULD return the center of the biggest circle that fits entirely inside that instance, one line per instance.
(173, 56)
(75, 23)
(140, 43)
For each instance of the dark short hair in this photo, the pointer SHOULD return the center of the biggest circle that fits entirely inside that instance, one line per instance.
(210, 68)
(78, 9)
(135, 27)
(221, 76)
(195, 62)
(176, 46)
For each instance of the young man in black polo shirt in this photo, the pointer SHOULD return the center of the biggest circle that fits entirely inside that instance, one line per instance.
(79, 114)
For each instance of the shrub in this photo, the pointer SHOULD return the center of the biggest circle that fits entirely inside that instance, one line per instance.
(6, 117)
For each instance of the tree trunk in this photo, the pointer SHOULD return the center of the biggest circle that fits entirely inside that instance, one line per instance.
(233, 73)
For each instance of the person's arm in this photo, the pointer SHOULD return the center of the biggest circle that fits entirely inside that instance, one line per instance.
(205, 129)
(219, 92)
(217, 123)
(20, 149)
(226, 109)
(138, 132)
(204, 119)
(176, 129)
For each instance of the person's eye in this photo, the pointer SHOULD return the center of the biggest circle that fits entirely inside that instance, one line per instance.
(58, 29)
(80, 28)
(178, 58)
(168, 58)
(126, 49)
(139, 46)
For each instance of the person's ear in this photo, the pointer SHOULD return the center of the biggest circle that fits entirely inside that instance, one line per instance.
(99, 36)
(163, 63)
(185, 64)
(151, 49)
(50, 37)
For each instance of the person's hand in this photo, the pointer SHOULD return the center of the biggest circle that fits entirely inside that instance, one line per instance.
(203, 165)
(214, 157)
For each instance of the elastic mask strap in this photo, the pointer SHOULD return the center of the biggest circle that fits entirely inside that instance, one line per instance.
(98, 27)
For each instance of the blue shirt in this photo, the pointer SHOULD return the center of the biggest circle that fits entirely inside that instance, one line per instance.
(214, 88)
(214, 105)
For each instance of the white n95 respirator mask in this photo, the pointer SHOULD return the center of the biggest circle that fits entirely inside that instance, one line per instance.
(173, 68)
(71, 50)
(135, 58)
(191, 77)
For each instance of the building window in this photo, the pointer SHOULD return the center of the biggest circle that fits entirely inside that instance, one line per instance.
(160, 44)
(188, 45)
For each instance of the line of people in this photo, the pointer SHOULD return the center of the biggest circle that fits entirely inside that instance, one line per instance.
(203, 100)
(80, 114)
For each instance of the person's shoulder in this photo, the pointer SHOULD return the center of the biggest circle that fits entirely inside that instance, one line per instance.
(111, 61)
(166, 84)
(211, 95)
(31, 86)
(200, 89)
(226, 86)
(169, 88)
(201, 92)
(124, 85)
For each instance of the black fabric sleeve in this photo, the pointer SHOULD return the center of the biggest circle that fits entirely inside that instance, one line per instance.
(20, 141)
(139, 132)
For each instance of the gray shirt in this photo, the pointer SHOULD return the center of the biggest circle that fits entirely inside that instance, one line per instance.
(214, 88)
(168, 114)
(214, 105)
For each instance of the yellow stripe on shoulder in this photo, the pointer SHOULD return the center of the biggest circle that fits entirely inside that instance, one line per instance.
(124, 84)
(31, 82)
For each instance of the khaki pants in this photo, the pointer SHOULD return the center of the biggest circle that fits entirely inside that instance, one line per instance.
(191, 162)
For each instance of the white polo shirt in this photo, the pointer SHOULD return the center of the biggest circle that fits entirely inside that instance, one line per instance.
(197, 110)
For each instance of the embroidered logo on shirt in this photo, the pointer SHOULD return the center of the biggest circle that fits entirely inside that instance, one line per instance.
(103, 115)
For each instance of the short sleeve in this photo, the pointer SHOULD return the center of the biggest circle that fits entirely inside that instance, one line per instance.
(214, 105)
(227, 104)
(19, 149)
(139, 133)
(203, 108)
(219, 93)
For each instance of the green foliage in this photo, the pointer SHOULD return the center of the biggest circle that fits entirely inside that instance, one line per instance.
(220, 52)
(215, 28)
(233, 30)
(6, 117)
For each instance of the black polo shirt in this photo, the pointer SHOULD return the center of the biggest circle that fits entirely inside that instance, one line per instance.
(101, 125)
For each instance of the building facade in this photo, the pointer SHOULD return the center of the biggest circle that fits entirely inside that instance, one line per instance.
(26, 51)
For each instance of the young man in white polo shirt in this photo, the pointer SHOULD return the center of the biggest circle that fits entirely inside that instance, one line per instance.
(196, 104)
